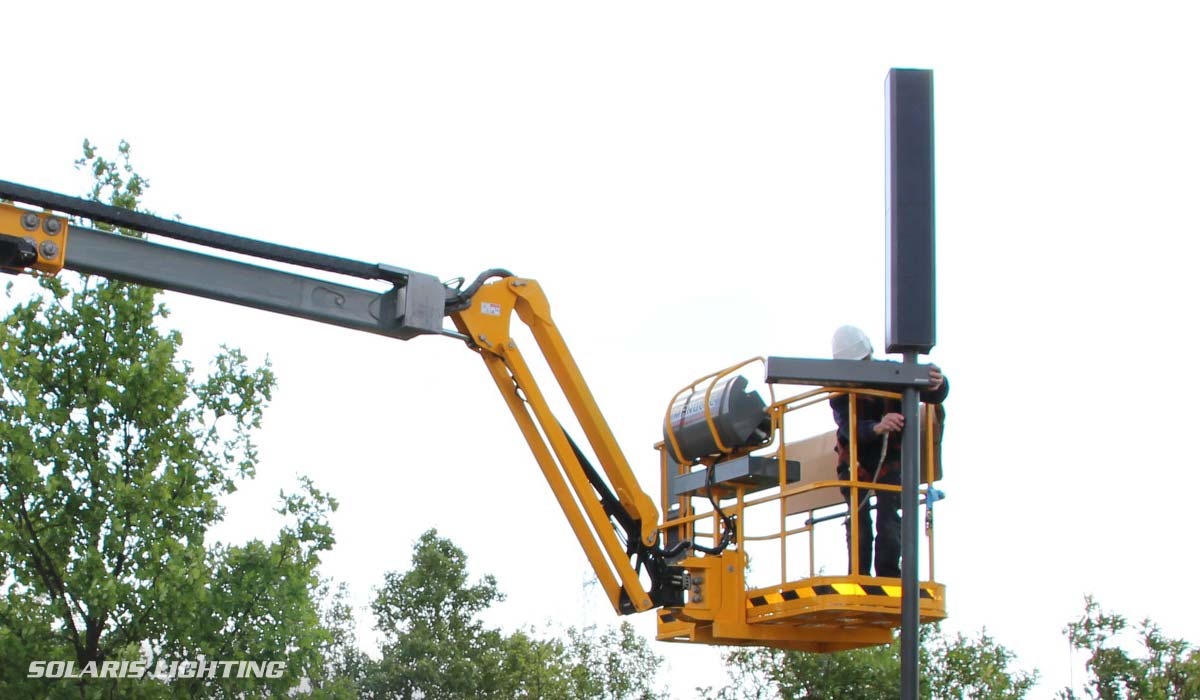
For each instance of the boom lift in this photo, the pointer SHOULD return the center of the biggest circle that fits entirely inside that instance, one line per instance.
(723, 456)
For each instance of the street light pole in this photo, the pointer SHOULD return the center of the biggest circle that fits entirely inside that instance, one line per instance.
(910, 487)
(910, 317)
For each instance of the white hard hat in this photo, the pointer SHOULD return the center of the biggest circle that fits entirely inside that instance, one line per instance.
(850, 343)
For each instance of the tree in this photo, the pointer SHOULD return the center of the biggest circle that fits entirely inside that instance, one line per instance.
(612, 664)
(115, 458)
(1167, 669)
(763, 674)
(345, 665)
(978, 667)
(436, 647)
(958, 667)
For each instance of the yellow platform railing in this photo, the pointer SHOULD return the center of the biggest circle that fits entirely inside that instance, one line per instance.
(762, 513)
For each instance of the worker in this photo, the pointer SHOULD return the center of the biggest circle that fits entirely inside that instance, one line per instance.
(880, 422)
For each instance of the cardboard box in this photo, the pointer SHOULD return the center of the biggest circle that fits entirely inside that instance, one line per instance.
(818, 462)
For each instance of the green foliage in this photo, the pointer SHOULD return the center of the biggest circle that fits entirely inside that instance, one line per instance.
(115, 458)
(436, 647)
(952, 667)
(1166, 669)
(114, 182)
(760, 674)
(535, 668)
(612, 664)
(344, 663)
(979, 667)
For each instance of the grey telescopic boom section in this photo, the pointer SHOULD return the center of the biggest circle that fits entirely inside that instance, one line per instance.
(402, 312)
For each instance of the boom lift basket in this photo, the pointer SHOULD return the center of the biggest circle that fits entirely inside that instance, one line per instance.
(782, 500)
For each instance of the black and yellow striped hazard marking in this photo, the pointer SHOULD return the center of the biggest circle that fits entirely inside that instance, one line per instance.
(826, 589)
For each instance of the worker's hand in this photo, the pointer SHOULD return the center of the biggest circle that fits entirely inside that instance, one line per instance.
(890, 423)
(935, 378)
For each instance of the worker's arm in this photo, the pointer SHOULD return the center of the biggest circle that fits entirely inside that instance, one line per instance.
(841, 416)
(939, 393)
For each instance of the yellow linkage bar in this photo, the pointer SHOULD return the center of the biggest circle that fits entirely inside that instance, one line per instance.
(487, 322)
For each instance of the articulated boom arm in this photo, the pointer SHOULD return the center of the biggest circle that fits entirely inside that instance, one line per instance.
(596, 506)
(738, 485)
(486, 323)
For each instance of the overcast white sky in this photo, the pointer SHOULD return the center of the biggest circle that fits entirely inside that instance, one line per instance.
(693, 183)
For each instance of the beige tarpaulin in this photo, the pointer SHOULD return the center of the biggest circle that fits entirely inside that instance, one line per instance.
(818, 462)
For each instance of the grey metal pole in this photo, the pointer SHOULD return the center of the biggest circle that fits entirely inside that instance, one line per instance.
(910, 485)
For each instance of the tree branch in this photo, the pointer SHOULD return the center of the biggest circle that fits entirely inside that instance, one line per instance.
(49, 575)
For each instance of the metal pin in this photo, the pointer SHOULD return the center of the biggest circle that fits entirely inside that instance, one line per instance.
(29, 221)
(49, 249)
(52, 226)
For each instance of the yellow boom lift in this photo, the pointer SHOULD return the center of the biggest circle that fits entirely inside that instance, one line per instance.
(725, 464)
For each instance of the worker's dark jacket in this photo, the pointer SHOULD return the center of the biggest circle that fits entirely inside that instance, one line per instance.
(871, 410)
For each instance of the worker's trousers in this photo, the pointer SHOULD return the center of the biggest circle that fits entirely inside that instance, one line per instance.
(885, 539)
